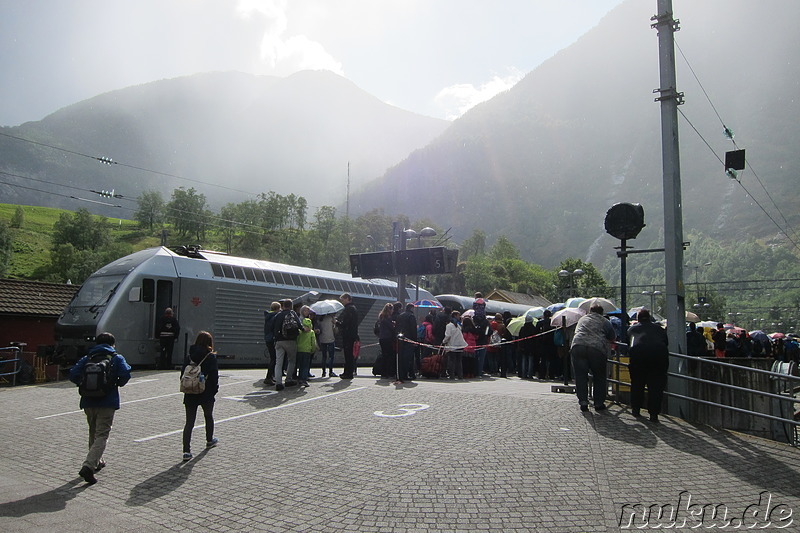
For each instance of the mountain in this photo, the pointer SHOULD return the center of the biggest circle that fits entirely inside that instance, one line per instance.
(244, 132)
(543, 162)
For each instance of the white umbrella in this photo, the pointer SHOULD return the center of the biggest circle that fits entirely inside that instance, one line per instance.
(607, 305)
(571, 314)
(327, 307)
(535, 312)
(574, 302)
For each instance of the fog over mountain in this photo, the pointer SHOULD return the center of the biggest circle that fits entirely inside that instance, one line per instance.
(540, 163)
(543, 162)
(245, 132)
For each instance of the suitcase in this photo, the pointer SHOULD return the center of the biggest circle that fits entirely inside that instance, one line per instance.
(433, 365)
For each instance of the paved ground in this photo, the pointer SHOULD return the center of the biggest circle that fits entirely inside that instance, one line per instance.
(366, 455)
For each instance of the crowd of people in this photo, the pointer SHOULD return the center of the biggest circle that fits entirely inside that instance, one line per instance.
(445, 344)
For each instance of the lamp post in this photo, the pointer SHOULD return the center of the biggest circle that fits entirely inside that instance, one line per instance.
(700, 306)
(696, 276)
(424, 232)
(564, 274)
(404, 236)
(652, 295)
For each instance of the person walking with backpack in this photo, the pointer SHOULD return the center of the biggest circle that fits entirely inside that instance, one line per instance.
(285, 328)
(201, 353)
(99, 374)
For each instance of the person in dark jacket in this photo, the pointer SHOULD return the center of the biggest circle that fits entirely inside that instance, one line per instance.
(695, 341)
(167, 332)
(269, 339)
(407, 327)
(649, 361)
(202, 353)
(100, 411)
(348, 326)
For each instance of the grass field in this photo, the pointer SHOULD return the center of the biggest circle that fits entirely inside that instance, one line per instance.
(32, 242)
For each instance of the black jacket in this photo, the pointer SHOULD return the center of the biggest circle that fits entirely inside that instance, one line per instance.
(210, 370)
(348, 322)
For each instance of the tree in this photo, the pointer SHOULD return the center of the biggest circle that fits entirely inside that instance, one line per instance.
(6, 248)
(150, 211)
(474, 245)
(188, 212)
(590, 284)
(82, 230)
(18, 218)
(504, 249)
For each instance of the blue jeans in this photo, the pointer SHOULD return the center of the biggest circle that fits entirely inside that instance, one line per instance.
(303, 365)
(585, 360)
(480, 356)
(328, 350)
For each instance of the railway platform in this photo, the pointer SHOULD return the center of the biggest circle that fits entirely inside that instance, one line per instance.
(502, 455)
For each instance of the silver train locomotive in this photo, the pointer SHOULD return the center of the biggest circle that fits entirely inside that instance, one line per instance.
(222, 294)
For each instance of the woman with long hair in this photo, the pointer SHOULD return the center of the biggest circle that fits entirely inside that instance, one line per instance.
(202, 353)
(387, 338)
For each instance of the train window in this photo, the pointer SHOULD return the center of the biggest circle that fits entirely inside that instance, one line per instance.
(259, 274)
(338, 285)
(279, 278)
(238, 271)
(314, 283)
(148, 290)
(227, 271)
(296, 280)
(386, 291)
(248, 272)
(305, 281)
(268, 276)
(216, 268)
(328, 284)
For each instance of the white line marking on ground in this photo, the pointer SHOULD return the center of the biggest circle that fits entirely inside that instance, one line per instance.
(136, 401)
(136, 381)
(260, 411)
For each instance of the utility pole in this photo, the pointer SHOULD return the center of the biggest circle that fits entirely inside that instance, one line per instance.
(670, 99)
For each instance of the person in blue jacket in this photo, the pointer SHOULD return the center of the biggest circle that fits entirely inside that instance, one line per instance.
(202, 352)
(100, 411)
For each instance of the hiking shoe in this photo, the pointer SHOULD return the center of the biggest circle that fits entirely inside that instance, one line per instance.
(304, 383)
(213, 442)
(187, 456)
(269, 382)
(279, 387)
(333, 375)
(87, 475)
(584, 407)
(101, 465)
(290, 383)
(601, 407)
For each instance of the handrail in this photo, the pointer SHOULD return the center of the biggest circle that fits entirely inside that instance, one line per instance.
(16, 361)
(788, 378)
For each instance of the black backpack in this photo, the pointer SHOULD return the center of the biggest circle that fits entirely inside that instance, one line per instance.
(96, 379)
(290, 328)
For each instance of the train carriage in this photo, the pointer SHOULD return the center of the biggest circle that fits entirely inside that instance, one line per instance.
(223, 294)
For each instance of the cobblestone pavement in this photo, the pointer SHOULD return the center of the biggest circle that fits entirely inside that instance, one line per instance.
(499, 455)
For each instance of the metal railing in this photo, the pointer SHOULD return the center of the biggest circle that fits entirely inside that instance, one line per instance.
(784, 387)
(17, 359)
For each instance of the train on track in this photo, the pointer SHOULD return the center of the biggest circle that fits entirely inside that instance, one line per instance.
(210, 291)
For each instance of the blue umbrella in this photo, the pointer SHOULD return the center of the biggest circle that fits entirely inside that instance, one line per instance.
(556, 307)
(432, 304)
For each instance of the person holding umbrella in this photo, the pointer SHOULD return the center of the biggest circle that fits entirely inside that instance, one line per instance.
(648, 365)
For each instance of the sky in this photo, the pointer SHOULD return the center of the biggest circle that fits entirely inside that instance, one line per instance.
(434, 57)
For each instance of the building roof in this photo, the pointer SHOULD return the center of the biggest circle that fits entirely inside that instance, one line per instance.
(34, 298)
(519, 298)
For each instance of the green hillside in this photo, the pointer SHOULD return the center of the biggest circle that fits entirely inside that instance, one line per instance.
(33, 240)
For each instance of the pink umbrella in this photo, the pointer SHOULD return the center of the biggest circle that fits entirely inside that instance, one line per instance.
(777, 335)
(569, 314)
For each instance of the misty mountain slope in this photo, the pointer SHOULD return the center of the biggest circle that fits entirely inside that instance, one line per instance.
(543, 162)
(253, 133)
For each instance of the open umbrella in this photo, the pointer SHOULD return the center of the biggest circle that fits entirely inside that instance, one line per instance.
(707, 324)
(432, 304)
(632, 312)
(691, 317)
(574, 302)
(515, 324)
(469, 312)
(607, 305)
(776, 335)
(535, 312)
(571, 314)
(556, 307)
(759, 335)
(327, 307)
